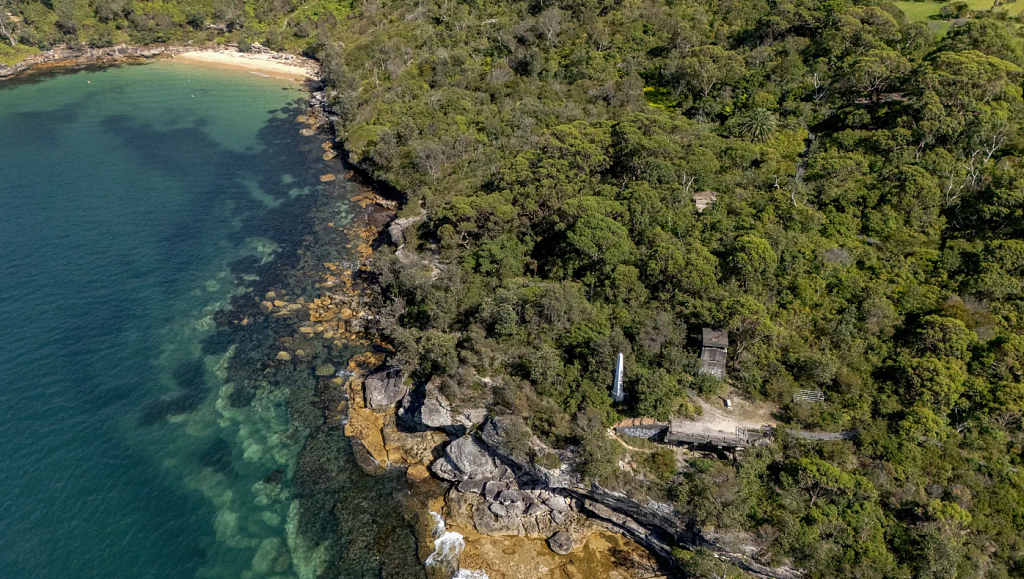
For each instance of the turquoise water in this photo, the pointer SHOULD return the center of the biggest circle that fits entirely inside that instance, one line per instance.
(134, 203)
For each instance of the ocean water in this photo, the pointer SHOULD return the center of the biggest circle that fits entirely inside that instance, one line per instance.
(135, 203)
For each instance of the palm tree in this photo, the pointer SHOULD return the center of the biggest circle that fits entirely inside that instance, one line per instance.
(759, 125)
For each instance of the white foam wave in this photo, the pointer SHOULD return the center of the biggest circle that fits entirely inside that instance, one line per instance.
(446, 547)
(449, 545)
(439, 527)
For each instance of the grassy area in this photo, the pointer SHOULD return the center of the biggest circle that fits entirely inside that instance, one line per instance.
(928, 12)
(1013, 9)
(11, 56)
(920, 11)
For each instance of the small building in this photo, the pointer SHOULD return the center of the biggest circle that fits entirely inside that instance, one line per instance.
(704, 199)
(714, 352)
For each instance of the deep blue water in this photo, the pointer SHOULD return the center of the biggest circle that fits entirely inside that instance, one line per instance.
(125, 195)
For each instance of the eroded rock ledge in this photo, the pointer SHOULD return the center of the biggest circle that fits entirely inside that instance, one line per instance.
(69, 57)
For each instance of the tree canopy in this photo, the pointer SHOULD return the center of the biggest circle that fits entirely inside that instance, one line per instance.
(865, 237)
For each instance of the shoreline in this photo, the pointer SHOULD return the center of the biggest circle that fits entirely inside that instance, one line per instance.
(274, 65)
(338, 311)
(270, 64)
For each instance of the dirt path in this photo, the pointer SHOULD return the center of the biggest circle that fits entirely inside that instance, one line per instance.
(743, 414)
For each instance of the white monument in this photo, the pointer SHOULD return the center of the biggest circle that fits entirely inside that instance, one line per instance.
(617, 394)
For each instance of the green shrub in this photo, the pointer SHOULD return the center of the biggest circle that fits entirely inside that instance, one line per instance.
(549, 461)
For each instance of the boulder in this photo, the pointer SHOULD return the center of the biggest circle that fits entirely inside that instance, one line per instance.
(505, 474)
(557, 503)
(486, 523)
(515, 509)
(510, 496)
(473, 485)
(464, 459)
(434, 415)
(417, 472)
(385, 388)
(493, 488)
(560, 542)
(498, 509)
(536, 509)
(428, 408)
(397, 235)
(444, 469)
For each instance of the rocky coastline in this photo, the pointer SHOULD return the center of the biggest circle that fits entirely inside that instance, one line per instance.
(67, 57)
(493, 500)
(486, 503)
(494, 494)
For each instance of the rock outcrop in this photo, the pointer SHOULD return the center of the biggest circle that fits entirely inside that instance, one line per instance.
(561, 543)
(62, 56)
(428, 408)
(527, 500)
(511, 512)
(497, 433)
(376, 439)
(385, 388)
(465, 459)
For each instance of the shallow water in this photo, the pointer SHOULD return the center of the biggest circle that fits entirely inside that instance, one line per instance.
(134, 202)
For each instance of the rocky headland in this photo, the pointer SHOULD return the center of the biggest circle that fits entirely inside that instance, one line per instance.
(501, 513)
(67, 57)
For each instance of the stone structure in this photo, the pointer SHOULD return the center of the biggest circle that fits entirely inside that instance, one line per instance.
(696, 433)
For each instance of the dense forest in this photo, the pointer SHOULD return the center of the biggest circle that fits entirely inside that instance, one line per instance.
(866, 238)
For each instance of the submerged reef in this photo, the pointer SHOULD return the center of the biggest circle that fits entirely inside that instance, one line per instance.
(262, 396)
(297, 326)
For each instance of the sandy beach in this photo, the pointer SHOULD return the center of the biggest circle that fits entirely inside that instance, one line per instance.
(298, 69)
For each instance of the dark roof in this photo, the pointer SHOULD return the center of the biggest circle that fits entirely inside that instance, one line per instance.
(716, 338)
